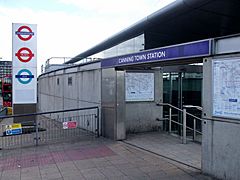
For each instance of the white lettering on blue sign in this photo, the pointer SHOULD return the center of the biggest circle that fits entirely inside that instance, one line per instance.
(187, 50)
(155, 55)
(126, 59)
(142, 57)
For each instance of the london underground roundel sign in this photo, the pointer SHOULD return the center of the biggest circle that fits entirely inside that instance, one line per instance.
(24, 54)
(24, 76)
(24, 33)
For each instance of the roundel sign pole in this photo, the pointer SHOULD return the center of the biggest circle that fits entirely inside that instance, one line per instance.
(24, 63)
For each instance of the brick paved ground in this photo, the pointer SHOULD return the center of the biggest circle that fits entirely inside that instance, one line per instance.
(95, 159)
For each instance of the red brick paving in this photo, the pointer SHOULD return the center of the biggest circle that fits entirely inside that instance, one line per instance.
(32, 160)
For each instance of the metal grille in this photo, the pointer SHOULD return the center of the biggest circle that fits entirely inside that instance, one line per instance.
(49, 127)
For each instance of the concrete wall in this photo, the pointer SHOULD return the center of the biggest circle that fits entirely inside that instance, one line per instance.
(121, 117)
(141, 116)
(55, 93)
(221, 137)
(92, 86)
(109, 107)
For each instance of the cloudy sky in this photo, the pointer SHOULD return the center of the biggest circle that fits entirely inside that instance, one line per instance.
(69, 27)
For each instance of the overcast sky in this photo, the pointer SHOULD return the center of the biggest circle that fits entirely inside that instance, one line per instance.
(69, 27)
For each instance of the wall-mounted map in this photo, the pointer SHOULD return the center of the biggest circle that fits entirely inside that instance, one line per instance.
(226, 88)
(139, 86)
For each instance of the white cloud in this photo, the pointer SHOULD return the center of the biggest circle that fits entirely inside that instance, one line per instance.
(68, 34)
(118, 7)
(59, 34)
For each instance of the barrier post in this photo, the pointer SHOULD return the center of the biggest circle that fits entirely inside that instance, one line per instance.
(194, 129)
(184, 127)
(170, 120)
(36, 138)
(98, 122)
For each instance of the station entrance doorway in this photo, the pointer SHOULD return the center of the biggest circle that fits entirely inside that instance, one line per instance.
(151, 91)
(182, 88)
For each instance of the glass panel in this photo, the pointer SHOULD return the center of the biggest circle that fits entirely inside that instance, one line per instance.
(130, 46)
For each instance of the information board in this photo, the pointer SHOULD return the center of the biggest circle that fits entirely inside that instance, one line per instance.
(139, 86)
(13, 129)
(70, 125)
(226, 88)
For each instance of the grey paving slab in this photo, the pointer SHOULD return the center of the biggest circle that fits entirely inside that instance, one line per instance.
(103, 164)
(125, 166)
(111, 172)
(68, 174)
(66, 166)
(32, 172)
(91, 160)
(93, 173)
(84, 164)
(168, 146)
(73, 177)
(11, 175)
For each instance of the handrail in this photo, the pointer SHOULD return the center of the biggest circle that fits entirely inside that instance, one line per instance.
(85, 119)
(184, 123)
(3, 111)
(49, 112)
(193, 106)
(194, 116)
(167, 104)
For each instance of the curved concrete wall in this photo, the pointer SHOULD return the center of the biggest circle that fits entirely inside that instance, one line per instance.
(84, 86)
(55, 92)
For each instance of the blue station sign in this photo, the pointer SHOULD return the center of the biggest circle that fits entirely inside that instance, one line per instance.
(181, 51)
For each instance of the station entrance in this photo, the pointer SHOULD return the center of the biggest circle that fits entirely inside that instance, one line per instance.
(182, 88)
(157, 91)
(141, 89)
(175, 84)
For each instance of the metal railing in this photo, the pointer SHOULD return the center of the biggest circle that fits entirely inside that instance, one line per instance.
(48, 127)
(183, 124)
(3, 111)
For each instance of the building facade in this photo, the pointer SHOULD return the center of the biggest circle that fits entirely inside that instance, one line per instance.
(171, 39)
(5, 68)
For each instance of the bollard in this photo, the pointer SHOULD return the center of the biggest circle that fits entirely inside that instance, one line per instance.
(36, 138)
(194, 129)
(98, 133)
(184, 126)
(170, 120)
